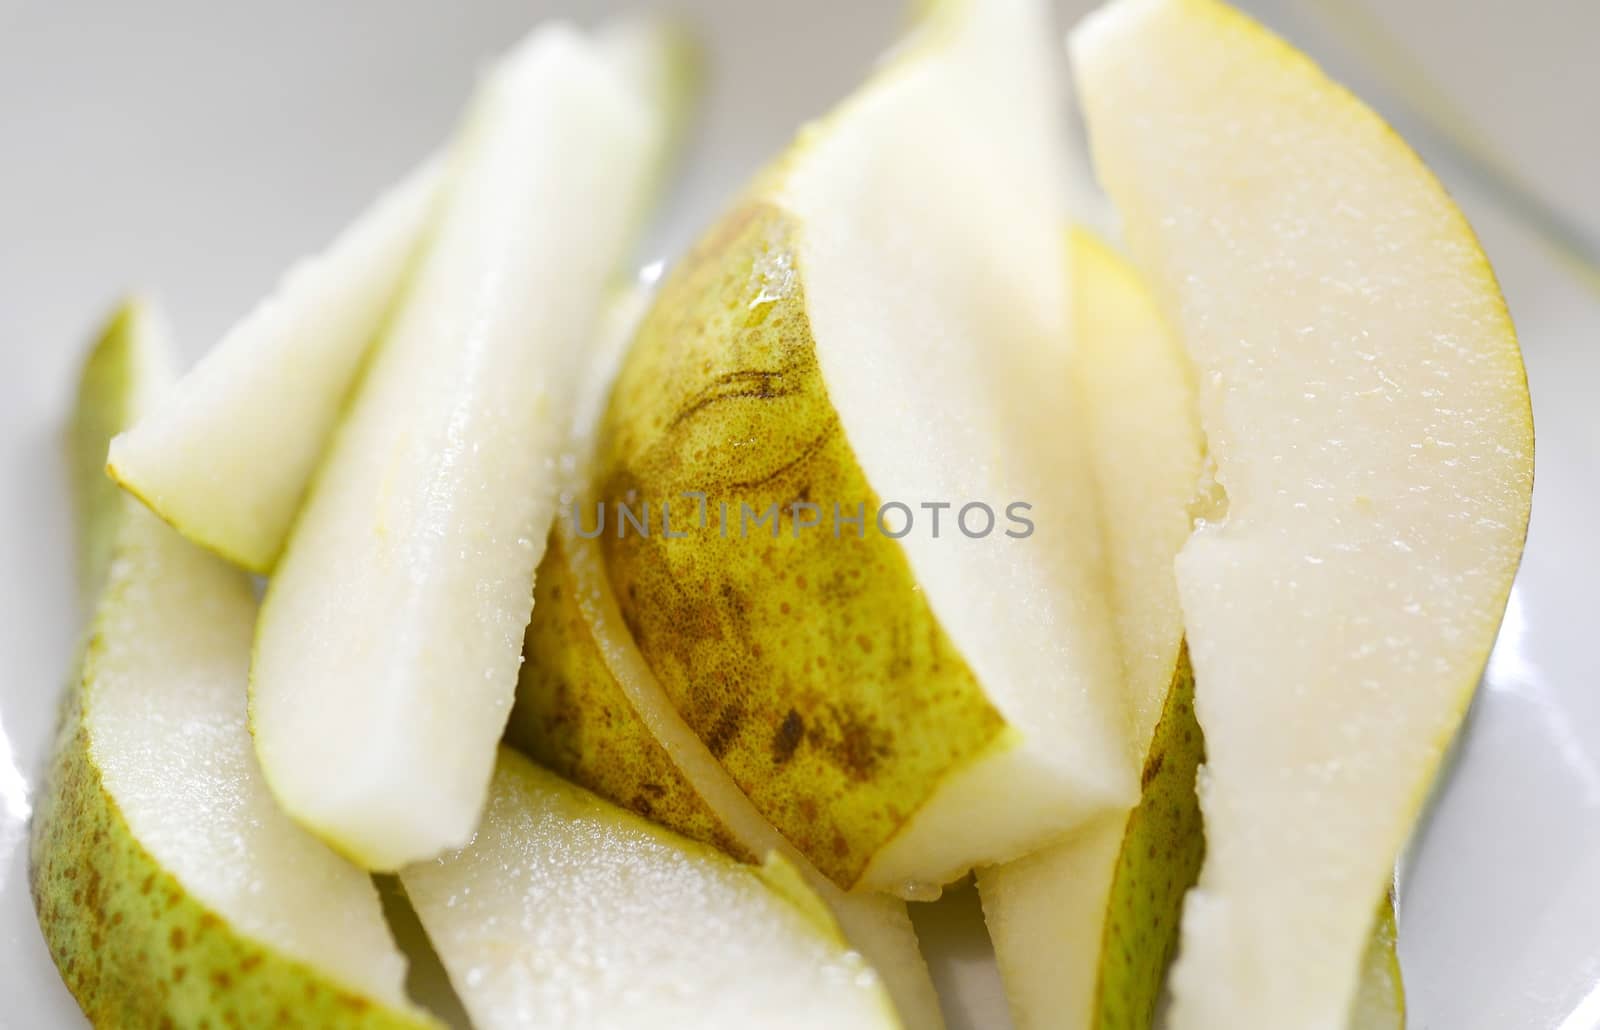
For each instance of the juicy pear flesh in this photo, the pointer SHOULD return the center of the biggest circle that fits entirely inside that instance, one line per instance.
(169, 886)
(228, 453)
(1083, 930)
(228, 457)
(900, 709)
(1366, 408)
(386, 657)
(810, 665)
(568, 911)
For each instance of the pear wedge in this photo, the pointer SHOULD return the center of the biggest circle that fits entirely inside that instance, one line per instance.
(1084, 930)
(229, 454)
(170, 888)
(226, 456)
(568, 911)
(877, 321)
(1364, 402)
(589, 708)
(387, 651)
(125, 374)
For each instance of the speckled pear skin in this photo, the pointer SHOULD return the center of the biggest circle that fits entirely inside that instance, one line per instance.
(810, 665)
(135, 949)
(1160, 860)
(574, 718)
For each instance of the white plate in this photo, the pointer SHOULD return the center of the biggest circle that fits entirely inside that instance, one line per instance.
(196, 148)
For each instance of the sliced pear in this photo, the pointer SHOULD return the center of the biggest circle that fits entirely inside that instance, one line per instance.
(589, 708)
(1365, 405)
(880, 320)
(227, 454)
(387, 653)
(568, 911)
(124, 375)
(662, 61)
(606, 723)
(170, 888)
(1083, 930)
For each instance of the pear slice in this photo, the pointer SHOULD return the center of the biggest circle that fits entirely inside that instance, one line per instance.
(126, 372)
(170, 888)
(568, 911)
(589, 708)
(1365, 405)
(1083, 931)
(229, 454)
(880, 319)
(387, 652)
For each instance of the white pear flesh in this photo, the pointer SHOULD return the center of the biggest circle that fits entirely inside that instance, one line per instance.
(389, 641)
(1047, 912)
(568, 911)
(1365, 405)
(227, 455)
(930, 209)
(161, 711)
(166, 715)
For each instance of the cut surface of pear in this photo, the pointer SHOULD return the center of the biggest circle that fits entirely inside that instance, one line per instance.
(589, 707)
(877, 321)
(387, 650)
(169, 886)
(566, 910)
(227, 454)
(1364, 402)
(1083, 930)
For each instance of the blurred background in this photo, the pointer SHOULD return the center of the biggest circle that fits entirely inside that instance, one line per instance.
(194, 149)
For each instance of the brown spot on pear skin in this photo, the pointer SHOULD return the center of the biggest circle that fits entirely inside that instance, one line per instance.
(790, 732)
(722, 393)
